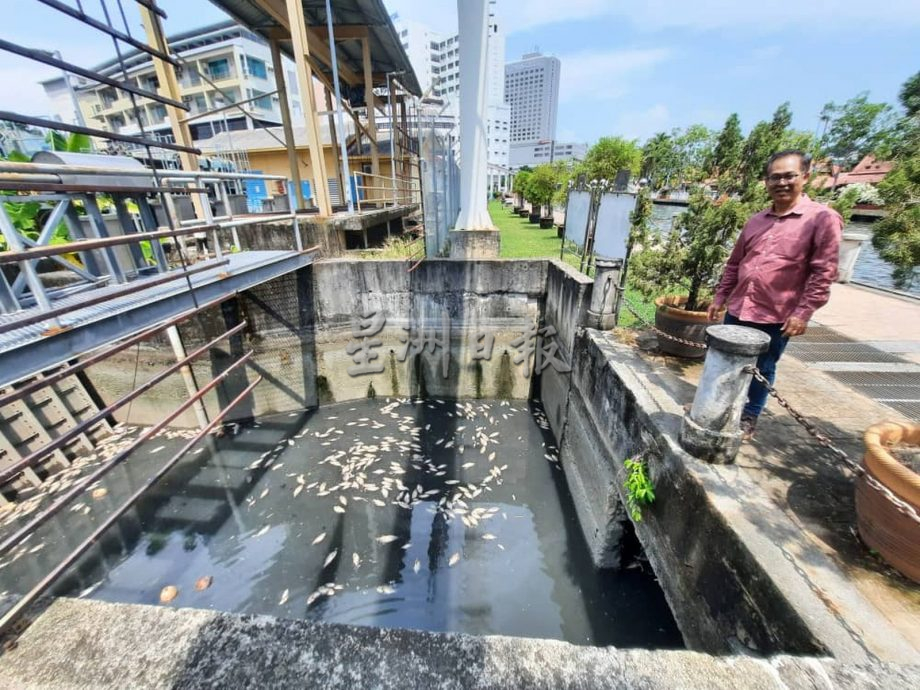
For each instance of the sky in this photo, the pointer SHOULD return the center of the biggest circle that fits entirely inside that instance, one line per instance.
(628, 69)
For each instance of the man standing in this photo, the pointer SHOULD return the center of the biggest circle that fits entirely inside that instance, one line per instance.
(780, 270)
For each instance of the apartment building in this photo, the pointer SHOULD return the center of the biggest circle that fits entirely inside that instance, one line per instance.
(235, 61)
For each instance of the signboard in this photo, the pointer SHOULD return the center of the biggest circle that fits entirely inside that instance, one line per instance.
(577, 211)
(611, 229)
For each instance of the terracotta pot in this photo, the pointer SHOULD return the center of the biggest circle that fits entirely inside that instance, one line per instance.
(672, 318)
(882, 527)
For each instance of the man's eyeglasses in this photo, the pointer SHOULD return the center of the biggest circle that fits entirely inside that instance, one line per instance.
(785, 177)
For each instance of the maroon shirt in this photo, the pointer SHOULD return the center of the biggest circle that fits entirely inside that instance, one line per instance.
(782, 266)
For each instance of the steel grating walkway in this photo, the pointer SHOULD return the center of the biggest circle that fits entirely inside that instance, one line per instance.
(33, 348)
(879, 375)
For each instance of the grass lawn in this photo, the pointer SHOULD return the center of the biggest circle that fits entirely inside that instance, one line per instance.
(524, 240)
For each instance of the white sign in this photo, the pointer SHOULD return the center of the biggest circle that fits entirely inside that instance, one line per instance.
(611, 230)
(576, 216)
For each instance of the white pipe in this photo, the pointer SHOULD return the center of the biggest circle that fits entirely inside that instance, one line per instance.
(49, 169)
(473, 18)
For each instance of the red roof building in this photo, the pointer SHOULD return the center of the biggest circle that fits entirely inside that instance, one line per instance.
(867, 171)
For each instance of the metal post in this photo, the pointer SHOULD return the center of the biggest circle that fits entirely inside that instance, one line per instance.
(175, 340)
(369, 99)
(390, 83)
(290, 144)
(14, 242)
(346, 175)
(301, 44)
(711, 430)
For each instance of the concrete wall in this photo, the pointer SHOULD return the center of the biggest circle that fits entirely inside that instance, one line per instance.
(499, 297)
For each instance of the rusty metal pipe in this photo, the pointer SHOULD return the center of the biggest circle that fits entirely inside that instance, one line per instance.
(20, 534)
(71, 558)
(131, 288)
(9, 472)
(38, 384)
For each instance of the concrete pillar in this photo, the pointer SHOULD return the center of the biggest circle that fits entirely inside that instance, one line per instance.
(711, 430)
(602, 312)
(483, 239)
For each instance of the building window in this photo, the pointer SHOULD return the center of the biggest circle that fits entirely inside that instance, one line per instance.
(254, 67)
(219, 69)
(264, 103)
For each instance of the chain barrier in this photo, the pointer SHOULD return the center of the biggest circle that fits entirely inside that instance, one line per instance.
(901, 506)
(689, 343)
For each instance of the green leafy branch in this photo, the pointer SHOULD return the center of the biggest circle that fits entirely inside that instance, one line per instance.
(639, 489)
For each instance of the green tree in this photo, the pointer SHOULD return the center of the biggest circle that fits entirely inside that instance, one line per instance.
(71, 143)
(896, 237)
(659, 160)
(610, 155)
(694, 148)
(521, 179)
(765, 139)
(726, 156)
(541, 186)
(693, 253)
(856, 128)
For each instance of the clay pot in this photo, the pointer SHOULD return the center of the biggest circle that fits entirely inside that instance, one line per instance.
(673, 319)
(882, 527)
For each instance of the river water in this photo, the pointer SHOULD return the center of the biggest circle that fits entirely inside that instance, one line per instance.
(434, 515)
(870, 269)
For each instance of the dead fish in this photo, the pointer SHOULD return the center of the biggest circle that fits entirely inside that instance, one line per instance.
(417, 566)
(453, 560)
(356, 560)
(263, 494)
(314, 596)
(330, 558)
(488, 536)
(284, 597)
(99, 493)
(385, 589)
(338, 509)
(261, 531)
(202, 583)
(380, 504)
(298, 490)
(290, 442)
(387, 538)
(319, 538)
(157, 449)
(168, 593)
(468, 465)
(500, 546)
(491, 456)
(343, 500)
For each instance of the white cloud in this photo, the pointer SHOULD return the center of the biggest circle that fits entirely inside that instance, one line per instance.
(641, 124)
(593, 76)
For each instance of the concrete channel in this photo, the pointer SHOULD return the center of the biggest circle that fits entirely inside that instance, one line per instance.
(737, 575)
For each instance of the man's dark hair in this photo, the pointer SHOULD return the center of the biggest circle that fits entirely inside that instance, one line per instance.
(804, 160)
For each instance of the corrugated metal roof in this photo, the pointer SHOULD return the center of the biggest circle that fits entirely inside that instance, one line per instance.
(387, 54)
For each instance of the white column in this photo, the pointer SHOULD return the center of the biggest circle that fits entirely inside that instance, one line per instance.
(473, 20)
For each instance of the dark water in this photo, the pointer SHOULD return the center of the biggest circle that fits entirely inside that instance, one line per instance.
(870, 268)
(434, 515)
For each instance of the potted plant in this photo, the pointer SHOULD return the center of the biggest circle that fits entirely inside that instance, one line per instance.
(520, 186)
(893, 459)
(541, 186)
(681, 268)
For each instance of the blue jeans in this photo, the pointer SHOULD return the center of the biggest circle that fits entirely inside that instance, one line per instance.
(757, 393)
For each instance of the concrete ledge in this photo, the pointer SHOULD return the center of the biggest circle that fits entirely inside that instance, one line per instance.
(474, 244)
(90, 644)
(736, 571)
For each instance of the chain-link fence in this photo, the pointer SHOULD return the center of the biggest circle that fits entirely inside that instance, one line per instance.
(440, 182)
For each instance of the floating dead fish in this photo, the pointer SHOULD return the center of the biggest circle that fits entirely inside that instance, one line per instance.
(453, 560)
(319, 538)
(489, 537)
(330, 558)
(380, 504)
(264, 493)
(500, 546)
(261, 531)
(298, 490)
(387, 538)
(385, 589)
(99, 493)
(417, 566)
(202, 583)
(290, 442)
(356, 560)
(284, 597)
(168, 593)
(468, 465)
(338, 509)
(157, 449)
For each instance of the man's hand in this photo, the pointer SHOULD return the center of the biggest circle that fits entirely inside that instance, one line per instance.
(714, 313)
(794, 326)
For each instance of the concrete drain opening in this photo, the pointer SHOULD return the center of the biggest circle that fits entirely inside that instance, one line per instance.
(447, 516)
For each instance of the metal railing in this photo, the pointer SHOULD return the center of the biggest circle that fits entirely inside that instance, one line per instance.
(380, 191)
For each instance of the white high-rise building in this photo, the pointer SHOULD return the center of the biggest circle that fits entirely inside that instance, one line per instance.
(532, 92)
(436, 61)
